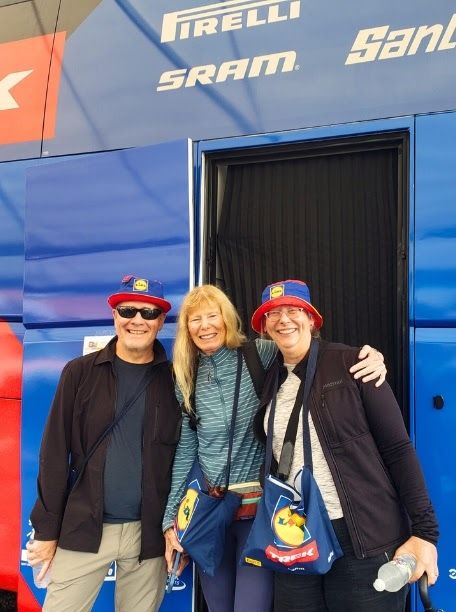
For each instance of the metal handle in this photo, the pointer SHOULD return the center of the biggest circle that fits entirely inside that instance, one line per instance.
(424, 594)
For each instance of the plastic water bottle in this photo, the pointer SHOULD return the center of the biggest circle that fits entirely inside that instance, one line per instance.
(36, 569)
(44, 582)
(395, 574)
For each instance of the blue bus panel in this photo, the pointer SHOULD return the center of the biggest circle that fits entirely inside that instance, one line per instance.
(435, 221)
(129, 73)
(90, 221)
(12, 210)
(435, 426)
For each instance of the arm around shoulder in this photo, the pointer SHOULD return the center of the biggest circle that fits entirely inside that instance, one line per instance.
(371, 366)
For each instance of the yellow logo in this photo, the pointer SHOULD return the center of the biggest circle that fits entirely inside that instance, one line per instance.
(290, 527)
(253, 561)
(140, 284)
(186, 508)
(276, 291)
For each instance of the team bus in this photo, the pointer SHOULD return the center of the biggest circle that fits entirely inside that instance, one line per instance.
(234, 142)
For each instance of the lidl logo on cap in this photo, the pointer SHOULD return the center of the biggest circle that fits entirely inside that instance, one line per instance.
(140, 284)
(277, 291)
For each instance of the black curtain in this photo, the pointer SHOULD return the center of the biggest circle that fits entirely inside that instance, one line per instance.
(330, 220)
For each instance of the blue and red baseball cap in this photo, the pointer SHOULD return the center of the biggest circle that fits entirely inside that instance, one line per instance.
(139, 289)
(285, 293)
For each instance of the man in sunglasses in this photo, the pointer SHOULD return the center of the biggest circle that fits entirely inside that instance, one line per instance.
(113, 508)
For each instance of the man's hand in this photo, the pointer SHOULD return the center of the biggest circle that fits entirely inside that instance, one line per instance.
(370, 366)
(41, 551)
(426, 558)
(172, 545)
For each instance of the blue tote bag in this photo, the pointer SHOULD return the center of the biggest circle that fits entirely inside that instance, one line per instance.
(292, 531)
(203, 518)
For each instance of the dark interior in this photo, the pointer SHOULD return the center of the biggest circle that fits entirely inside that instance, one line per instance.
(329, 212)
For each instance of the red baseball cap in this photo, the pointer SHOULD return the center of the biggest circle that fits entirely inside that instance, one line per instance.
(136, 289)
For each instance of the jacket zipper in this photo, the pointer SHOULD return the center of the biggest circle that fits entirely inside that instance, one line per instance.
(222, 398)
(339, 479)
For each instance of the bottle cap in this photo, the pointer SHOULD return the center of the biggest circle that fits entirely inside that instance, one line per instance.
(379, 585)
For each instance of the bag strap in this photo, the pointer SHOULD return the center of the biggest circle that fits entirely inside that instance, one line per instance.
(256, 370)
(254, 365)
(302, 396)
(234, 414)
(288, 446)
(120, 415)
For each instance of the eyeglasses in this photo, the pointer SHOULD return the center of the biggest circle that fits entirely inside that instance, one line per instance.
(275, 315)
(129, 312)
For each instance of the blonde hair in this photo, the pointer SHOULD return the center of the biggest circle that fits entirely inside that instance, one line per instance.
(185, 352)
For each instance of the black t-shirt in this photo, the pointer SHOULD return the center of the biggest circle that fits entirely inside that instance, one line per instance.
(123, 467)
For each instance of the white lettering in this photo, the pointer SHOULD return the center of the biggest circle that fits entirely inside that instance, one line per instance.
(447, 43)
(295, 9)
(7, 102)
(172, 79)
(206, 26)
(274, 15)
(372, 44)
(397, 48)
(233, 21)
(271, 62)
(185, 31)
(253, 19)
(236, 69)
(284, 558)
(365, 48)
(215, 18)
(423, 31)
(201, 74)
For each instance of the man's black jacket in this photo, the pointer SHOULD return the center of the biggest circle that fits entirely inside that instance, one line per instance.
(83, 407)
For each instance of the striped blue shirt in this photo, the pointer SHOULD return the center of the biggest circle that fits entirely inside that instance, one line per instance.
(214, 397)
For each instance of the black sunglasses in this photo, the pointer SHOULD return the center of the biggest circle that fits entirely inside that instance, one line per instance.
(128, 312)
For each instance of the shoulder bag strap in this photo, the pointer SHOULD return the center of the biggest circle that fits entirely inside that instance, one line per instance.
(233, 416)
(286, 456)
(120, 415)
(254, 365)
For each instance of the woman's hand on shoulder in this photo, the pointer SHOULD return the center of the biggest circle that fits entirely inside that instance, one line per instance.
(426, 558)
(370, 366)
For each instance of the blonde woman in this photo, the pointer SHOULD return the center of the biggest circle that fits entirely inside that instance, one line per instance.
(205, 359)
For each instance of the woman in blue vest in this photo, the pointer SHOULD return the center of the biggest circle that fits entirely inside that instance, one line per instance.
(205, 362)
(363, 462)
